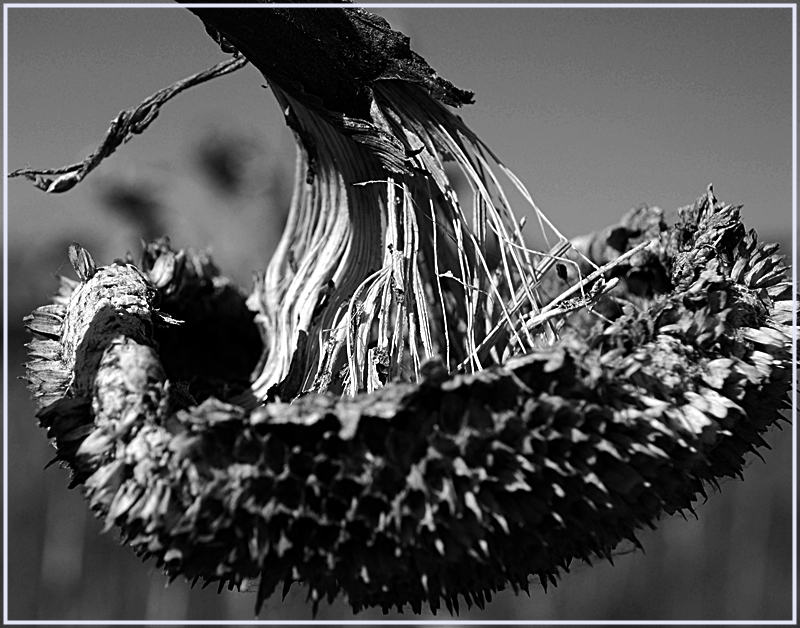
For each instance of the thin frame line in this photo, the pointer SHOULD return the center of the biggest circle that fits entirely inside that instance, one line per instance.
(794, 313)
(5, 314)
(478, 5)
(389, 5)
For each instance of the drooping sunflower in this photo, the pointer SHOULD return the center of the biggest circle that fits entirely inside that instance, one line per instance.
(436, 410)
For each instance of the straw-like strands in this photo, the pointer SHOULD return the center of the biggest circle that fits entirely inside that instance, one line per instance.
(384, 271)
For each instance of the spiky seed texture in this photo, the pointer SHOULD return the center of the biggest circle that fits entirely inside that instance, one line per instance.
(453, 487)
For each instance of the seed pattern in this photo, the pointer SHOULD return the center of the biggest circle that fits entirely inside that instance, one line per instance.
(456, 486)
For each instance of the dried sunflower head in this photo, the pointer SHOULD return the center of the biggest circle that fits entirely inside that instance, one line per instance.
(449, 443)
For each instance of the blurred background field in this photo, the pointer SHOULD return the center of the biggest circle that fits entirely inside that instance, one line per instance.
(596, 110)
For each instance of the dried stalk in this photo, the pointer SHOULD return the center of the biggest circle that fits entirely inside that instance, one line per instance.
(130, 122)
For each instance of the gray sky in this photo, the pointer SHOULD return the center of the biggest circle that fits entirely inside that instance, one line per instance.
(595, 109)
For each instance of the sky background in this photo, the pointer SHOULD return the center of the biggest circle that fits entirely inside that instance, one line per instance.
(596, 110)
